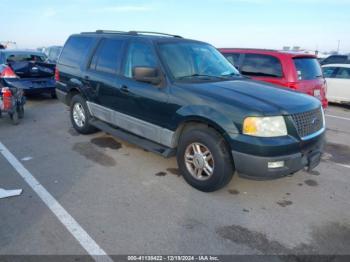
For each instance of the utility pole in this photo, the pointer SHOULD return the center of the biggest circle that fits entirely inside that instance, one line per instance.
(338, 46)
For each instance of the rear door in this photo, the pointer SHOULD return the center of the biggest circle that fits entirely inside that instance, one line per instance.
(263, 67)
(103, 73)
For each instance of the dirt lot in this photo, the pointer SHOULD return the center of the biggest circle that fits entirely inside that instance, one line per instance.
(130, 201)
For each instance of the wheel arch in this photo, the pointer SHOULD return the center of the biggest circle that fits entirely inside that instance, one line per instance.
(199, 121)
(72, 92)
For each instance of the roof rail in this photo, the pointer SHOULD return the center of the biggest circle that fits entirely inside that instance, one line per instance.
(153, 33)
(130, 33)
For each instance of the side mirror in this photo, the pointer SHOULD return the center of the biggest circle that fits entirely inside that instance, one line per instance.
(146, 74)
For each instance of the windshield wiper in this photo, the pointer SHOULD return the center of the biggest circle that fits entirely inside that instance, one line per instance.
(200, 75)
(230, 75)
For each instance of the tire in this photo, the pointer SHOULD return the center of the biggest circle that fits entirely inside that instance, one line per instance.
(15, 118)
(83, 126)
(220, 161)
(53, 95)
(20, 110)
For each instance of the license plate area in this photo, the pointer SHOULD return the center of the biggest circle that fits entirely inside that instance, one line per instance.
(317, 93)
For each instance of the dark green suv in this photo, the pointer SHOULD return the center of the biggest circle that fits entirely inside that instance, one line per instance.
(172, 95)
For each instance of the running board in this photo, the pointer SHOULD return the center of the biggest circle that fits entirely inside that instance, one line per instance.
(133, 139)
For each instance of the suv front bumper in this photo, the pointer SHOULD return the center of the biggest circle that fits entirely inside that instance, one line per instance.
(257, 167)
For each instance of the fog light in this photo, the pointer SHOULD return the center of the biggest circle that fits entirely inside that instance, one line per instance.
(275, 164)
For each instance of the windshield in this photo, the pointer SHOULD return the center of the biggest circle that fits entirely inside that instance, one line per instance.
(189, 60)
(307, 68)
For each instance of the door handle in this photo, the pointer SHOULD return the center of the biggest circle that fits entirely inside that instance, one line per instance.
(124, 89)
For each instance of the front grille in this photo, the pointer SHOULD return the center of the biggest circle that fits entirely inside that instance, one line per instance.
(309, 122)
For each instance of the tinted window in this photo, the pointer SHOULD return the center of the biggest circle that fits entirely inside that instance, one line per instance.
(139, 54)
(307, 68)
(343, 73)
(329, 72)
(261, 65)
(75, 49)
(233, 59)
(22, 57)
(108, 55)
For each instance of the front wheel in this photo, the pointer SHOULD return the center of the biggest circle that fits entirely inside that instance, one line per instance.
(80, 116)
(204, 159)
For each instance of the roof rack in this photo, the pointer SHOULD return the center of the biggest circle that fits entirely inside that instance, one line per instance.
(152, 33)
(130, 33)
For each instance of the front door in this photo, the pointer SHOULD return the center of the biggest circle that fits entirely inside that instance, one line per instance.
(144, 101)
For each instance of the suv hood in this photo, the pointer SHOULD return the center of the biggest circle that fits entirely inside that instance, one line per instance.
(256, 97)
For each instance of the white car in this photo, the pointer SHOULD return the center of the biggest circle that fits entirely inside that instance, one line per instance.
(338, 82)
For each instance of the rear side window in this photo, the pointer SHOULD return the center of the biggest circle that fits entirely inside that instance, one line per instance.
(233, 59)
(108, 56)
(343, 73)
(75, 49)
(329, 72)
(261, 65)
(307, 68)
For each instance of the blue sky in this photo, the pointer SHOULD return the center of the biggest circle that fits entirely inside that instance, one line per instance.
(310, 24)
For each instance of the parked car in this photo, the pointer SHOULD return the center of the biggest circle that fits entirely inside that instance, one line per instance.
(53, 53)
(338, 82)
(301, 72)
(172, 95)
(27, 69)
(336, 59)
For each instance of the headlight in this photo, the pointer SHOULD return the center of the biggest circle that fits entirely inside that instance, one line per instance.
(271, 126)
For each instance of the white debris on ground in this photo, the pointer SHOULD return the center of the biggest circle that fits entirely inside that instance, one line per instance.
(27, 158)
(9, 193)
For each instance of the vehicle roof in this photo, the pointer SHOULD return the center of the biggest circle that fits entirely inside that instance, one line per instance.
(9, 51)
(273, 52)
(337, 65)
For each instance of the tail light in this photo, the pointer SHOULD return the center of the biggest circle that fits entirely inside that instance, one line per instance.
(325, 87)
(57, 74)
(7, 72)
(6, 98)
(293, 85)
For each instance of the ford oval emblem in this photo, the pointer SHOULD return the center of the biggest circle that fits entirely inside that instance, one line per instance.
(314, 121)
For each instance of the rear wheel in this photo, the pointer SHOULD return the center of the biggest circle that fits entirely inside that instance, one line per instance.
(20, 110)
(204, 159)
(80, 116)
(14, 117)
